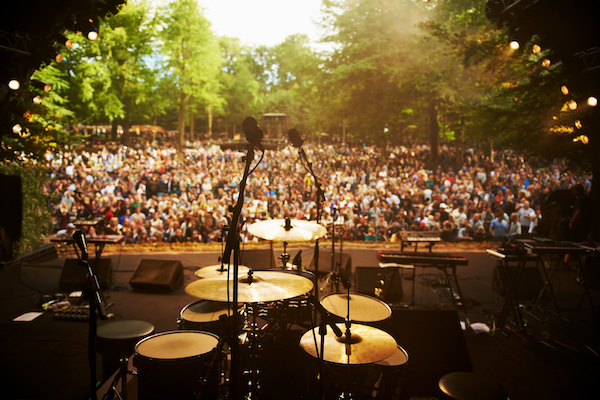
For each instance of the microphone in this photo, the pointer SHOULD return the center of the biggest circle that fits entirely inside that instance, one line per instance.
(253, 132)
(79, 238)
(296, 138)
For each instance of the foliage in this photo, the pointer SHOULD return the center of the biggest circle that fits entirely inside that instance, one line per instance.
(191, 58)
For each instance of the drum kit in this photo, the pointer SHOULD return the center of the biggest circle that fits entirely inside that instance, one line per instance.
(203, 325)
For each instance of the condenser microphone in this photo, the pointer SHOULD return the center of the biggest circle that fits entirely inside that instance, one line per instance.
(253, 132)
(296, 138)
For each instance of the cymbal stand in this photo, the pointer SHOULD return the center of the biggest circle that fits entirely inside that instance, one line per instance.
(285, 257)
(254, 347)
(232, 245)
(346, 394)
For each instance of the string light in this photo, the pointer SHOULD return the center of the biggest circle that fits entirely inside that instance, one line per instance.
(564, 90)
(592, 101)
(537, 49)
(514, 45)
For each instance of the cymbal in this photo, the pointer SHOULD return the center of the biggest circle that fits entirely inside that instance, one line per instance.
(363, 308)
(367, 344)
(297, 230)
(264, 286)
(215, 271)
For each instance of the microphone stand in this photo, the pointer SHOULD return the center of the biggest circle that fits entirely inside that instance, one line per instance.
(320, 198)
(233, 245)
(96, 305)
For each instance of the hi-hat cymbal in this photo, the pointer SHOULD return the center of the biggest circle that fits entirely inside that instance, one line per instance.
(366, 344)
(216, 271)
(263, 286)
(280, 230)
(363, 308)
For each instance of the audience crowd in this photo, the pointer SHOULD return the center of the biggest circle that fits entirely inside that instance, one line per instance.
(159, 194)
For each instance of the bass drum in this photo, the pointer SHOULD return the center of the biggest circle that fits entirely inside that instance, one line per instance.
(178, 365)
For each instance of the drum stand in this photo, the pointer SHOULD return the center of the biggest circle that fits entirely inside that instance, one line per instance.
(122, 376)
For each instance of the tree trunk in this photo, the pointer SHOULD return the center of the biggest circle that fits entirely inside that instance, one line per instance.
(192, 126)
(113, 131)
(434, 130)
(210, 121)
(181, 120)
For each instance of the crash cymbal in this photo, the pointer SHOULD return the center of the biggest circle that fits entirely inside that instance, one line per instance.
(216, 271)
(262, 286)
(363, 308)
(366, 344)
(285, 230)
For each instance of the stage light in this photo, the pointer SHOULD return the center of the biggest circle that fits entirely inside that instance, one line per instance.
(14, 84)
(37, 99)
(592, 101)
(564, 90)
(537, 49)
(546, 62)
(572, 105)
(514, 45)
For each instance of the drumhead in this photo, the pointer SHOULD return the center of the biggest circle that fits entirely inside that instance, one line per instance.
(205, 311)
(177, 345)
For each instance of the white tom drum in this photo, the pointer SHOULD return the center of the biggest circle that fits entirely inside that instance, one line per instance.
(177, 365)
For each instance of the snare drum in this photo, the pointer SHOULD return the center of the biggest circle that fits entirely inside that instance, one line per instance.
(204, 315)
(177, 365)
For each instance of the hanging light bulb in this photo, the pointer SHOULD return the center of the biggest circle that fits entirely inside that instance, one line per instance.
(14, 84)
(564, 90)
(514, 45)
(592, 101)
(578, 124)
(37, 99)
(546, 62)
(537, 49)
(572, 105)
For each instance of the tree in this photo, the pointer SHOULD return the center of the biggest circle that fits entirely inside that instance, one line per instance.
(191, 59)
(113, 77)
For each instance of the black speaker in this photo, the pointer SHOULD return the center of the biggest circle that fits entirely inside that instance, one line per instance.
(11, 205)
(376, 281)
(74, 276)
(157, 276)
(258, 259)
(325, 262)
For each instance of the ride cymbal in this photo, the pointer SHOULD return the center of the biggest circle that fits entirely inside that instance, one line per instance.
(260, 286)
(286, 230)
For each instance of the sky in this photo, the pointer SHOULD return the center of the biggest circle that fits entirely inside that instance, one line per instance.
(263, 22)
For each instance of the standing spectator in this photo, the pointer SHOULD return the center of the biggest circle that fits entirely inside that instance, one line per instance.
(499, 226)
(526, 215)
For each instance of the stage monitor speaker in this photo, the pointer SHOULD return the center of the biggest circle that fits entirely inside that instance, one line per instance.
(325, 262)
(258, 259)
(157, 276)
(373, 281)
(74, 276)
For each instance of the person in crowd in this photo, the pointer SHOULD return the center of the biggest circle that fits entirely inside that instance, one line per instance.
(499, 226)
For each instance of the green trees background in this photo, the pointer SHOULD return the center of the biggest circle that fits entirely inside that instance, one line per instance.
(396, 71)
